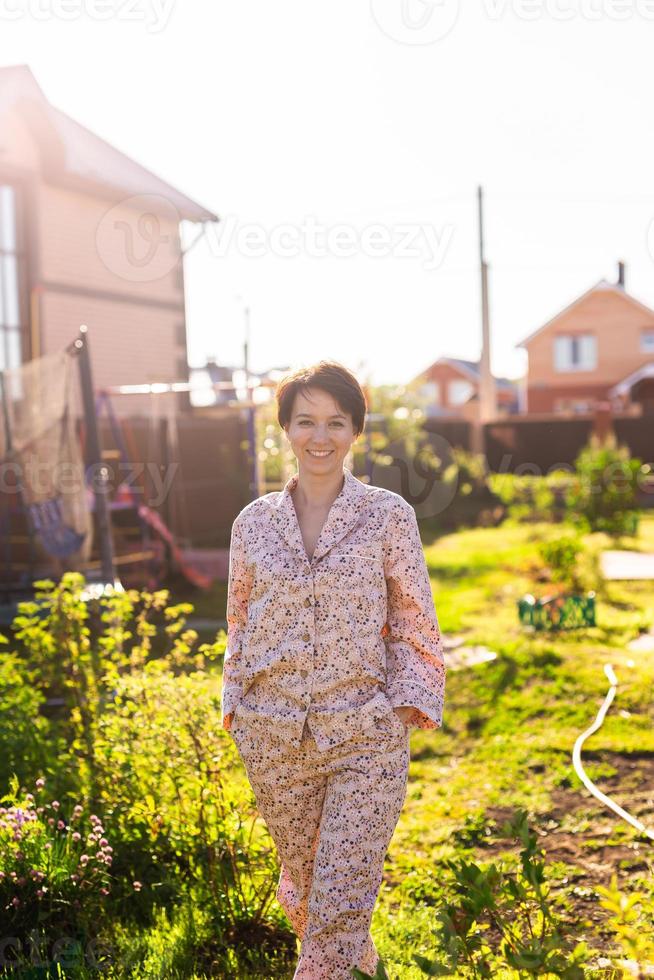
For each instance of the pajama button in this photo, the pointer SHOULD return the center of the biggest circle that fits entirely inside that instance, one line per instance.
(306, 637)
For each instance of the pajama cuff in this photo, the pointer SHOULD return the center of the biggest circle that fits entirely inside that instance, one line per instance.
(231, 696)
(429, 705)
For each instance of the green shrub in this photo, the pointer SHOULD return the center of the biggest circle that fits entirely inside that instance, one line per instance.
(76, 648)
(166, 776)
(25, 736)
(562, 556)
(603, 494)
(632, 916)
(530, 498)
(140, 743)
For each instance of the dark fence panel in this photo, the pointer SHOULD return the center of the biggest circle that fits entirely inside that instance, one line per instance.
(535, 445)
(454, 431)
(192, 471)
(638, 434)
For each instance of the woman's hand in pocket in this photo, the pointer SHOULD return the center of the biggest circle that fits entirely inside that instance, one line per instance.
(404, 713)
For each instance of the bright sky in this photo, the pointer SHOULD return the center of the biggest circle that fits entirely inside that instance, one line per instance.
(348, 134)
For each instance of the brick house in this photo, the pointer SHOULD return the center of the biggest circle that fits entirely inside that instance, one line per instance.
(600, 348)
(451, 387)
(87, 235)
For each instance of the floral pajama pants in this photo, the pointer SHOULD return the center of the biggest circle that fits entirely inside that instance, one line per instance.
(332, 815)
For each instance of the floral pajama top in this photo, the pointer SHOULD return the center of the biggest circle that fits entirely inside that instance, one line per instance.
(337, 640)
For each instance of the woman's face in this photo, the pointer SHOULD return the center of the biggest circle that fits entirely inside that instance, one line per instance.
(317, 423)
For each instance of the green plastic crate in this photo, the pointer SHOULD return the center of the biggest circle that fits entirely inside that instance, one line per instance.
(558, 612)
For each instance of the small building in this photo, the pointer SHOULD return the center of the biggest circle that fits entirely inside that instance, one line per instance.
(88, 235)
(450, 387)
(595, 350)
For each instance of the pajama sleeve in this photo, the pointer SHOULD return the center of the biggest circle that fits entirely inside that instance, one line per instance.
(238, 591)
(415, 659)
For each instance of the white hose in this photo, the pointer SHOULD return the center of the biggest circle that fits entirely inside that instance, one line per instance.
(579, 769)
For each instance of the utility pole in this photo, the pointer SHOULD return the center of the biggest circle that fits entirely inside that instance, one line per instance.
(252, 435)
(487, 388)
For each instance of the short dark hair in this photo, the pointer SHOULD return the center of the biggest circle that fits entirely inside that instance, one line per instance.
(329, 376)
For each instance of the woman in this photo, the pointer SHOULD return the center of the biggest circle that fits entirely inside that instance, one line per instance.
(334, 652)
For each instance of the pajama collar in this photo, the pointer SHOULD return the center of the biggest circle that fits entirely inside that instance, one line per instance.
(347, 508)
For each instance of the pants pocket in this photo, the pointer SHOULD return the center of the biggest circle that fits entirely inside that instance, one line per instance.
(391, 723)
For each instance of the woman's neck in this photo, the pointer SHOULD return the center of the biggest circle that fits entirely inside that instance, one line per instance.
(317, 492)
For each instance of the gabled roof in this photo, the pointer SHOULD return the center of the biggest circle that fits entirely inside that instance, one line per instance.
(73, 156)
(471, 369)
(602, 285)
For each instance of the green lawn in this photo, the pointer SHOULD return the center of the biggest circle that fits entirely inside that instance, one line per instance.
(509, 729)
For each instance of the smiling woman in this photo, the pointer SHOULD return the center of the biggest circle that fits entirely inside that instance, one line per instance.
(333, 652)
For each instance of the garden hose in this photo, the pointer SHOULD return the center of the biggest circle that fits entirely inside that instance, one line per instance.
(579, 769)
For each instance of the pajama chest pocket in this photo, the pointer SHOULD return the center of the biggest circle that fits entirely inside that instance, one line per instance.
(357, 569)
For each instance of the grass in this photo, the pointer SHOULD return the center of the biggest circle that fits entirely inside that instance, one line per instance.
(507, 739)
(508, 734)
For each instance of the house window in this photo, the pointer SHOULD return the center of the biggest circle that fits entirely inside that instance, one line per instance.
(459, 391)
(10, 269)
(431, 392)
(575, 352)
(647, 342)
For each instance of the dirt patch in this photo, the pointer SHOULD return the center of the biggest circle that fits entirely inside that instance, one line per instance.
(577, 828)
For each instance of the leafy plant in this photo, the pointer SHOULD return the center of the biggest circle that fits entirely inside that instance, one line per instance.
(603, 495)
(166, 774)
(77, 648)
(530, 497)
(632, 918)
(501, 919)
(26, 739)
(562, 557)
(475, 830)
